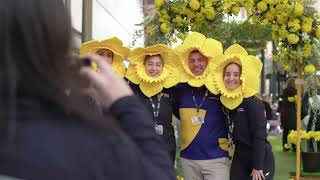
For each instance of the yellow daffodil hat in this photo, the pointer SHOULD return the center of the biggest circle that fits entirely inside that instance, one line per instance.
(170, 74)
(120, 52)
(250, 76)
(206, 46)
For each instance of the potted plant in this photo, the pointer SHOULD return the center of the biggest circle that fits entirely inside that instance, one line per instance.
(310, 138)
(310, 158)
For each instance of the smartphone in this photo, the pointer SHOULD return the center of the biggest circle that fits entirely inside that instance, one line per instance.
(78, 81)
(87, 62)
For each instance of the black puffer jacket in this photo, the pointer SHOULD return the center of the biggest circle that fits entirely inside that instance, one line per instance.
(288, 109)
(50, 144)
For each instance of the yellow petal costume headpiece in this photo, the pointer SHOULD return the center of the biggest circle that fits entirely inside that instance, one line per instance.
(113, 44)
(170, 74)
(250, 76)
(207, 47)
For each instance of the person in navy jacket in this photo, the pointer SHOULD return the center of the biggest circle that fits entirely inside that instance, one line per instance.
(236, 78)
(253, 153)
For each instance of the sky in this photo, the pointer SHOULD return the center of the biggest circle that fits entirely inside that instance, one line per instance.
(111, 18)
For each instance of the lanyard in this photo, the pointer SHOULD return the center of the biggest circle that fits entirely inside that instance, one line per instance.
(195, 101)
(229, 122)
(156, 109)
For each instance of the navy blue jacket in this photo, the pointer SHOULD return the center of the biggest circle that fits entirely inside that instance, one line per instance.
(288, 109)
(249, 133)
(167, 105)
(48, 144)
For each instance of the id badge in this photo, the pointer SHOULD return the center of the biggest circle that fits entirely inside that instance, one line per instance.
(158, 129)
(231, 148)
(196, 120)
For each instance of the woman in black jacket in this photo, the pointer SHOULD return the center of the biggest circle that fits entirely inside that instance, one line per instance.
(288, 112)
(237, 79)
(151, 65)
(253, 153)
(48, 132)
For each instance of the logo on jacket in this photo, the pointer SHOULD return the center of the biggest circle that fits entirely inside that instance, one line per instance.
(240, 109)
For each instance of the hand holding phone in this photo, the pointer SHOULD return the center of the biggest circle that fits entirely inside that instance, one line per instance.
(106, 83)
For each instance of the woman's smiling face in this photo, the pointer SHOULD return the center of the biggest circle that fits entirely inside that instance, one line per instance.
(153, 66)
(231, 77)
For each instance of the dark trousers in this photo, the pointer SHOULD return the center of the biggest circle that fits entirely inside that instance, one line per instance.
(286, 131)
(241, 170)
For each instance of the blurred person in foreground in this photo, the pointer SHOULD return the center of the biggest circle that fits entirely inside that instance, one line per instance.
(49, 134)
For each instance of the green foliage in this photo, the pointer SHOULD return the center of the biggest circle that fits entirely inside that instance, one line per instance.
(248, 34)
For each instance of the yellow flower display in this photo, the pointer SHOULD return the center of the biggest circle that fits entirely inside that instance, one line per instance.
(317, 32)
(292, 137)
(206, 46)
(250, 76)
(306, 138)
(292, 26)
(292, 98)
(159, 3)
(270, 16)
(309, 69)
(283, 33)
(282, 19)
(307, 50)
(262, 6)
(293, 38)
(169, 77)
(235, 10)
(307, 27)
(120, 52)
(315, 135)
(164, 28)
(286, 146)
(210, 14)
(298, 9)
(194, 5)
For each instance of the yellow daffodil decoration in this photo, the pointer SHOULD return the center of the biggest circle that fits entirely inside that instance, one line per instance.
(250, 76)
(169, 76)
(207, 47)
(120, 52)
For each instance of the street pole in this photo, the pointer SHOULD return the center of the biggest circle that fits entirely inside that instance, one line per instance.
(262, 78)
(68, 5)
(86, 20)
(299, 82)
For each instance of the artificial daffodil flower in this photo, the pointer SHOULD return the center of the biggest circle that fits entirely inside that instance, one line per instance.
(169, 76)
(250, 76)
(120, 52)
(208, 47)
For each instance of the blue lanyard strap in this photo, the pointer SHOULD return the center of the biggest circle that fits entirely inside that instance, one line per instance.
(156, 109)
(203, 99)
